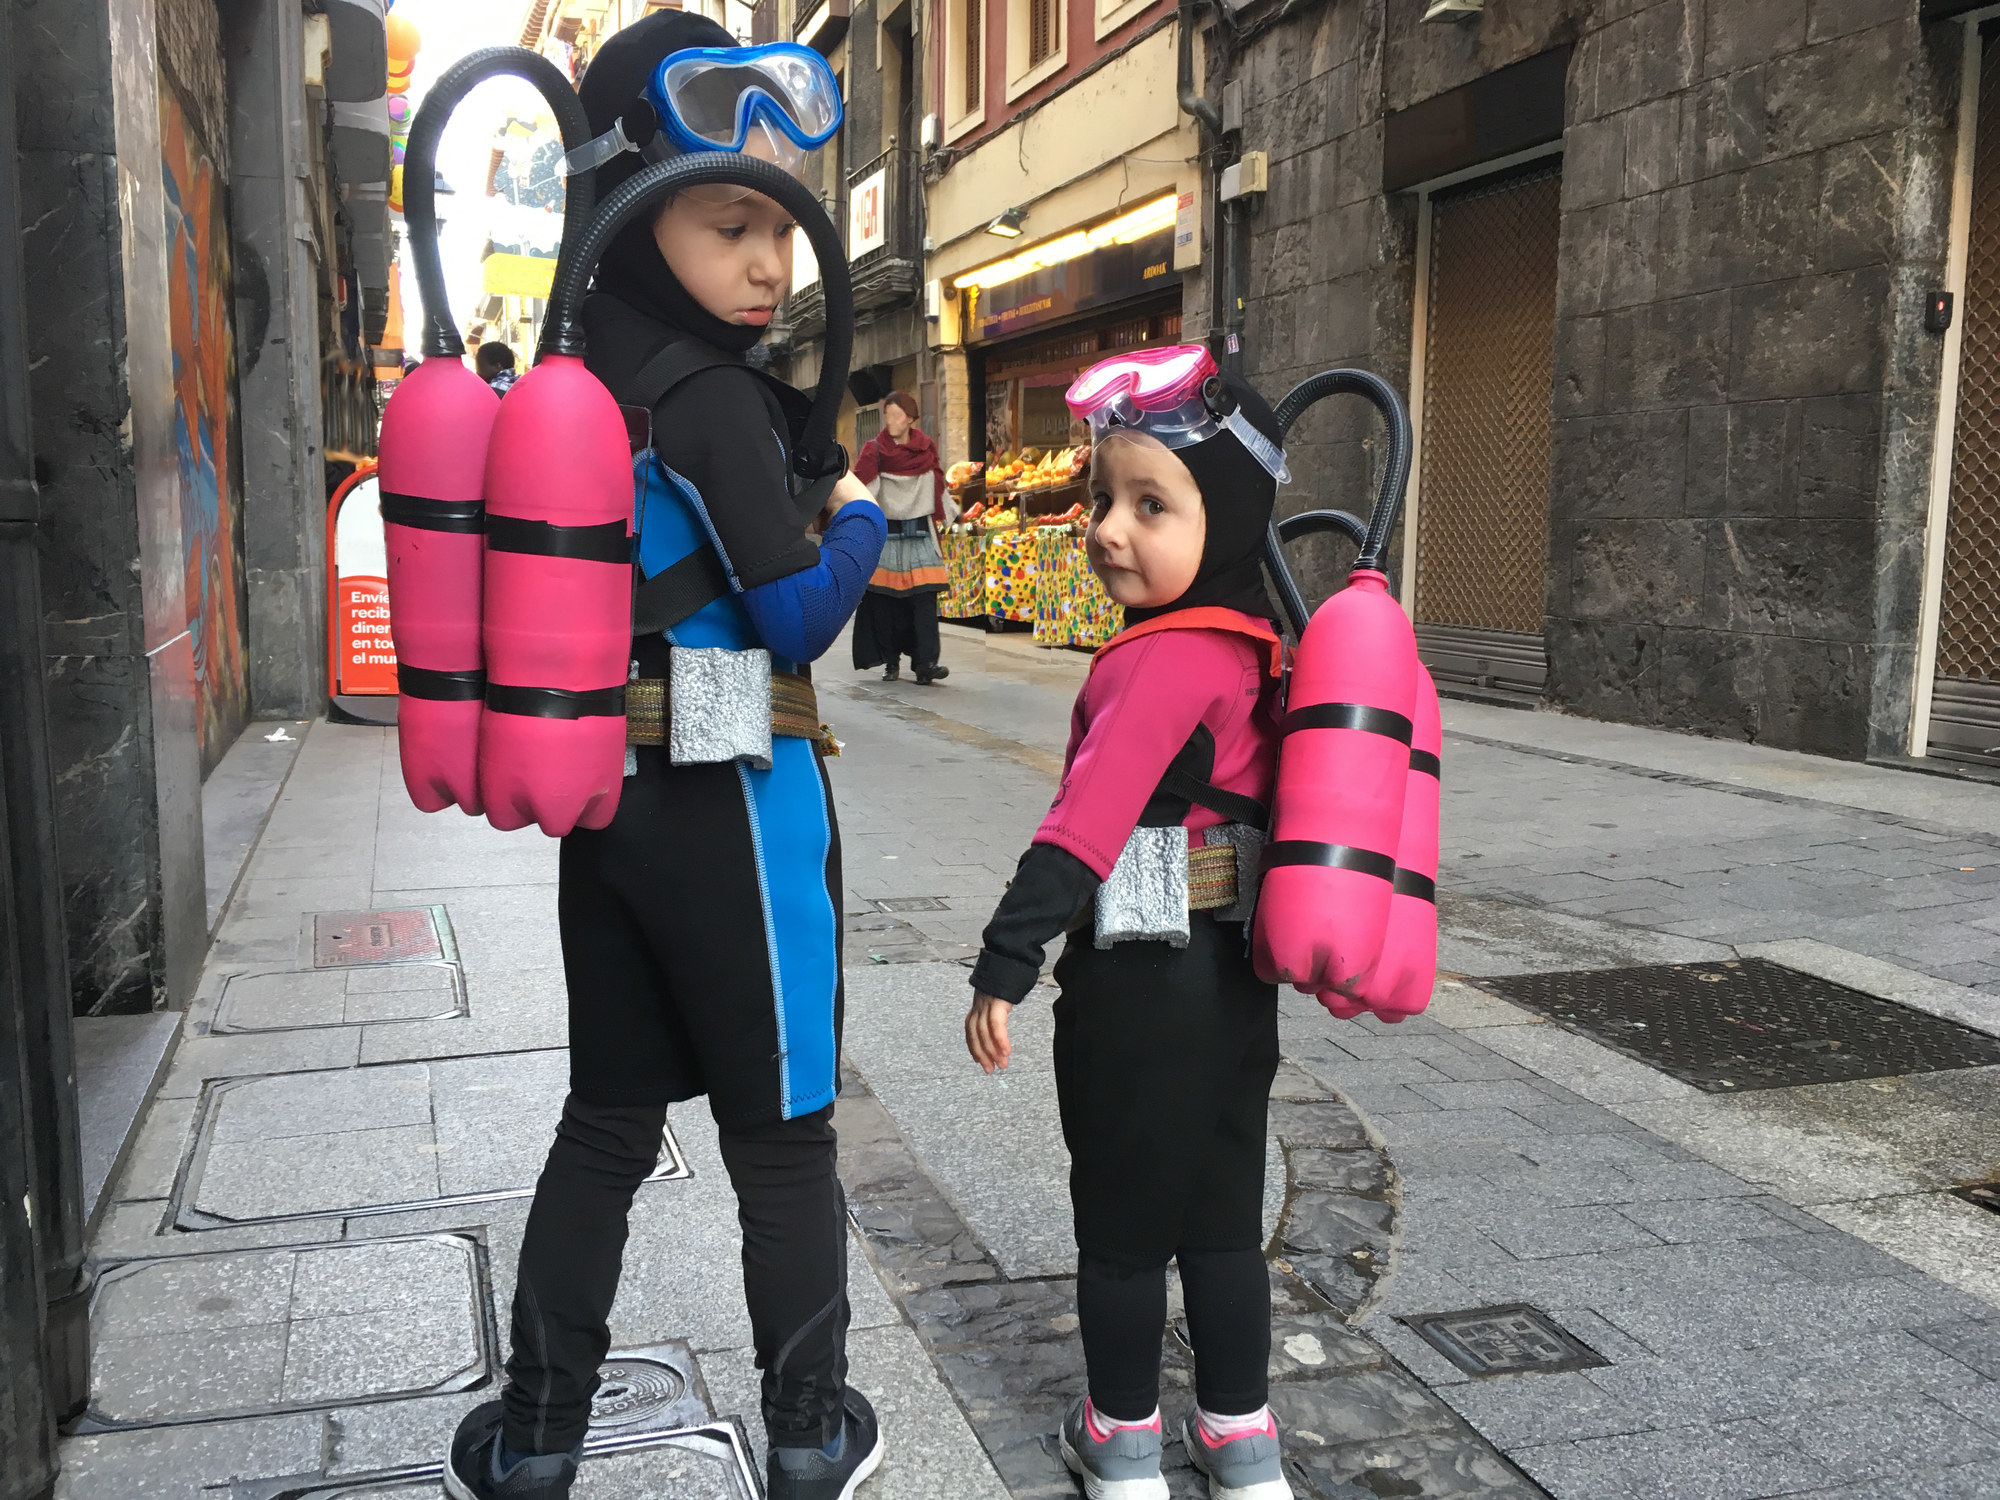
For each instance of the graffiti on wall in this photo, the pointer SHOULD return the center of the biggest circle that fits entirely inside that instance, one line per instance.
(205, 434)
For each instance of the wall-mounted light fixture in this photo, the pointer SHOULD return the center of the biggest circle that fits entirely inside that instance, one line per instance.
(1148, 218)
(1008, 225)
(1454, 10)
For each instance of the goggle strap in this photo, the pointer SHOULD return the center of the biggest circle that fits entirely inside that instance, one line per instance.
(1261, 448)
(595, 153)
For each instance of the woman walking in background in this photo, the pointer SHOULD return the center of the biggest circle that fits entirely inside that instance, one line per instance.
(898, 615)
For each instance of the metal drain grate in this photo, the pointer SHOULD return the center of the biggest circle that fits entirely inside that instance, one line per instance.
(910, 903)
(1513, 1340)
(1753, 1024)
(402, 936)
(1984, 1195)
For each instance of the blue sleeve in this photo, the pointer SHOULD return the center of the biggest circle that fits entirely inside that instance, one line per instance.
(801, 614)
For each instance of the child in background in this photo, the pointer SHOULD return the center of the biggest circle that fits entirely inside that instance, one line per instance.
(494, 364)
(1166, 1041)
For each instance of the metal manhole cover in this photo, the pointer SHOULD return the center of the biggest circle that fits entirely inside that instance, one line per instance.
(632, 1391)
(1748, 1024)
(397, 936)
(1984, 1195)
(910, 903)
(1512, 1340)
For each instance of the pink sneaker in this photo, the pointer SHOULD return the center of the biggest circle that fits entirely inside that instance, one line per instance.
(1244, 1467)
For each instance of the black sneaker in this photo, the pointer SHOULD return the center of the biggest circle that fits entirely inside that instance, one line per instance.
(935, 673)
(809, 1474)
(472, 1468)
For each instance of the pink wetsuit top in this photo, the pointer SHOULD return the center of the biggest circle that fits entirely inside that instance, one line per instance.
(1144, 698)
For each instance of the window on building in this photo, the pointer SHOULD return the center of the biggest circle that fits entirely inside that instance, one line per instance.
(965, 66)
(974, 23)
(1112, 14)
(1035, 43)
(1041, 31)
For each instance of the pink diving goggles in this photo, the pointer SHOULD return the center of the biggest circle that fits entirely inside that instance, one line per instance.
(1174, 394)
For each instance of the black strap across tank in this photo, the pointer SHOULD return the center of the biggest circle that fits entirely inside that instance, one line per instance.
(1368, 720)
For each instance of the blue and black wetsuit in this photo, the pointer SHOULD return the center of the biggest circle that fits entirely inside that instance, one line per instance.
(701, 935)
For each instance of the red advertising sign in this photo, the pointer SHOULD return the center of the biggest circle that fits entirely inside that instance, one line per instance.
(361, 657)
(367, 657)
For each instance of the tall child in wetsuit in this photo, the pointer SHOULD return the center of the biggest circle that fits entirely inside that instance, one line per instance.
(1166, 1041)
(700, 930)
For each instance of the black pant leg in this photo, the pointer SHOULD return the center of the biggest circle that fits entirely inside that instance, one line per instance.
(1122, 1315)
(571, 1257)
(1163, 1059)
(873, 637)
(1228, 1299)
(925, 648)
(794, 1218)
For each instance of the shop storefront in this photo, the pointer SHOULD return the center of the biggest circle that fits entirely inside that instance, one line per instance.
(1032, 322)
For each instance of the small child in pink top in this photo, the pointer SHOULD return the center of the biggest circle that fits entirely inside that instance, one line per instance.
(1166, 1041)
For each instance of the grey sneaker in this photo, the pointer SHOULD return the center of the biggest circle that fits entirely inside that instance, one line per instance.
(472, 1468)
(1122, 1466)
(810, 1474)
(1245, 1467)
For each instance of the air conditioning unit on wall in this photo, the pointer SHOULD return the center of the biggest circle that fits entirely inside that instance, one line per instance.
(1454, 10)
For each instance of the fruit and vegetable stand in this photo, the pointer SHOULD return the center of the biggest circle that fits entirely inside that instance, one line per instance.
(1016, 552)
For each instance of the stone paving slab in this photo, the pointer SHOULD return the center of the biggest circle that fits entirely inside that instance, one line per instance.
(198, 1337)
(361, 1140)
(289, 999)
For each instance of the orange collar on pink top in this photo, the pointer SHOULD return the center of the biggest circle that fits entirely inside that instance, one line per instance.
(1205, 617)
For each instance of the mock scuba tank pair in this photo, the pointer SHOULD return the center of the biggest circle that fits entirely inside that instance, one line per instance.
(509, 520)
(436, 451)
(1347, 909)
(510, 592)
(1361, 935)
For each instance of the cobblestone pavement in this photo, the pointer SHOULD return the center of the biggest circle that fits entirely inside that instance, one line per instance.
(309, 1252)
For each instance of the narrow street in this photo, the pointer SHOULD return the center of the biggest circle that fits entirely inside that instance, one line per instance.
(1756, 1290)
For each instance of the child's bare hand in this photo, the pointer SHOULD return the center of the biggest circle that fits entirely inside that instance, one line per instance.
(986, 1032)
(846, 490)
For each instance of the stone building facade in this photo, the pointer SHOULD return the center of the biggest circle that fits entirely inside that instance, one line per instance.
(872, 187)
(183, 255)
(1659, 277)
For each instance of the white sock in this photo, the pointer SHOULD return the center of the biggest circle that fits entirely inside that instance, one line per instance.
(1221, 1429)
(1107, 1425)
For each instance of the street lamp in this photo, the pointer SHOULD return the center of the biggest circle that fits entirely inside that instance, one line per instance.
(1008, 224)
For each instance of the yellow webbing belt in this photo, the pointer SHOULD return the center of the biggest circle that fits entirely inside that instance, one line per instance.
(1211, 877)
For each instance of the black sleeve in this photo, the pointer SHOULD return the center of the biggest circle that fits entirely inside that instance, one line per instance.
(1051, 889)
(719, 430)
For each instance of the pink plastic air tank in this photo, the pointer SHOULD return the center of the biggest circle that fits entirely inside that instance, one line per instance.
(1343, 772)
(558, 602)
(433, 469)
(1402, 982)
